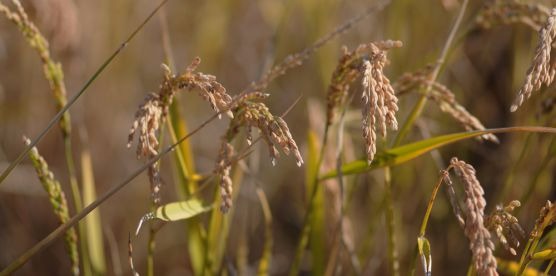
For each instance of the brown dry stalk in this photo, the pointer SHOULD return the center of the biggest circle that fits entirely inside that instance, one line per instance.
(506, 226)
(504, 12)
(542, 71)
(444, 97)
(154, 109)
(479, 237)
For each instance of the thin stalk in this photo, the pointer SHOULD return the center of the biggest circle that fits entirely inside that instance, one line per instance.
(76, 96)
(413, 116)
(524, 255)
(551, 152)
(150, 251)
(513, 170)
(547, 270)
(78, 203)
(390, 226)
(306, 230)
(425, 222)
(420, 105)
(60, 230)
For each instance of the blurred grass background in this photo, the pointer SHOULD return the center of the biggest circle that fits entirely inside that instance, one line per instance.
(235, 40)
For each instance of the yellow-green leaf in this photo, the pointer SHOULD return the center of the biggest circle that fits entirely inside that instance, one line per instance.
(175, 211)
(546, 254)
(93, 224)
(410, 151)
(425, 251)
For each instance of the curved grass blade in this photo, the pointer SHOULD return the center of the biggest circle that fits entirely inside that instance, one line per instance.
(402, 154)
(175, 211)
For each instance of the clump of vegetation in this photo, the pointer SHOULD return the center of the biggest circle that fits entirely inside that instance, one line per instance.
(324, 216)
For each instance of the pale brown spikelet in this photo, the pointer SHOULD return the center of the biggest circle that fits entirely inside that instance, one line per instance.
(506, 226)
(147, 123)
(211, 90)
(249, 112)
(479, 237)
(504, 12)
(541, 70)
(369, 110)
(547, 217)
(223, 167)
(153, 111)
(445, 99)
(350, 67)
(454, 202)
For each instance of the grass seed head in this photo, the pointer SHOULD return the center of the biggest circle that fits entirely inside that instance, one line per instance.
(479, 237)
(542, 71)
(223, 167)
(506, 226)
(504, 12)
(445, 99)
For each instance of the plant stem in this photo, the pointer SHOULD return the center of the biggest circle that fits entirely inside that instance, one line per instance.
(390, 227)
(425, 222)
(306, 230)
(420, 105)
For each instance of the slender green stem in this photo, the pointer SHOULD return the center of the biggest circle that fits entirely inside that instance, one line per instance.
(547, 270)
(510, 176)
(78, 203)
(551, 153)
(390, 226)
(420, 105)
(150, 251)
(524, 255)
(75, 191)
(73, 99)
(48, 240)
(425, 222)
(304, 239)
